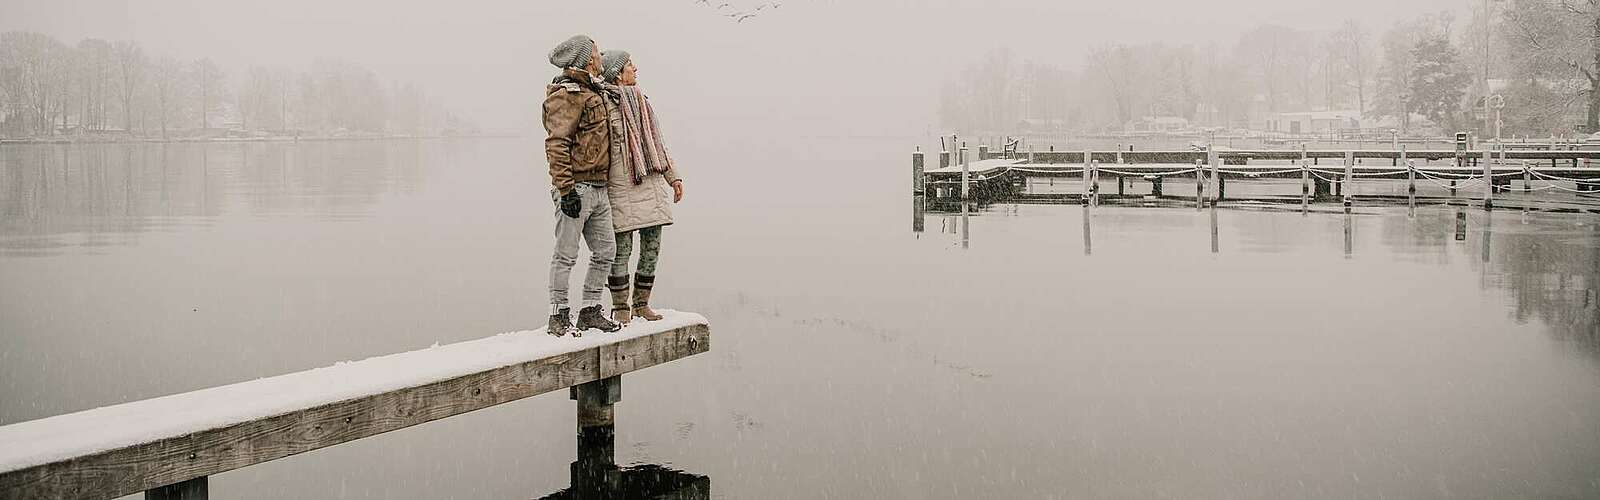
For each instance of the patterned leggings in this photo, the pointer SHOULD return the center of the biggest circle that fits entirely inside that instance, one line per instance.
(649, 252)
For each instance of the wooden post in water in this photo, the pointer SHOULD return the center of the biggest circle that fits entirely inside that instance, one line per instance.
(1094, 183)
(1488, 179)
(1216, 174)
(916, 171)
(1527, 185)
(1088, 159)
(1411, 186)
(1199, 184)
(193, 489)
(1349, 176)
(597, 433)
(1305, 186)
(965, 172)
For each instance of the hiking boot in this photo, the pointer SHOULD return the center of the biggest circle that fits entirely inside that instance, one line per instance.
(561, 323)
(619, 299)
(641, 298)
(593, 317)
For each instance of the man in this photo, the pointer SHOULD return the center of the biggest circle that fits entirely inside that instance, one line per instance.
(578, 150)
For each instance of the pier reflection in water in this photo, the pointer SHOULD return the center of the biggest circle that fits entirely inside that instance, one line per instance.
(596, 476)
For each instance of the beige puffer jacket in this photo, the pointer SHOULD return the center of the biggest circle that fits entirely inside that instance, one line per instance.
(636, 206)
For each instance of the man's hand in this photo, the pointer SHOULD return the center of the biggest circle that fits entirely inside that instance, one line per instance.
(571, 203)
(677, 191)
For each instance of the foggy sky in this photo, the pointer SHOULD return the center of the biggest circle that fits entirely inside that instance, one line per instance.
(816, 66)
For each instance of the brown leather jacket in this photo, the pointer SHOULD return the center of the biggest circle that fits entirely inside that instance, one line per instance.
(577, 118)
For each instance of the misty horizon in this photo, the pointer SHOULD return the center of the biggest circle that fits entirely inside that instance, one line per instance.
(487, 61)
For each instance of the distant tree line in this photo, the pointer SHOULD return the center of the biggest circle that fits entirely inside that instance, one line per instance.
(114, 87)
(1537, 62)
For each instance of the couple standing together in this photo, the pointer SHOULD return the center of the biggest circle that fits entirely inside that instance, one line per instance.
(611, 178)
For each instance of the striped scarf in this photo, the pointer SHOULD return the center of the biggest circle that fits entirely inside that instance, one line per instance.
(642, 133)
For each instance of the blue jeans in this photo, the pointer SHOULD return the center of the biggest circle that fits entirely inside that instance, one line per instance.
(593, 225)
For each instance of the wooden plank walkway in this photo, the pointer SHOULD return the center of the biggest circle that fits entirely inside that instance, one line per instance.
(146, 445)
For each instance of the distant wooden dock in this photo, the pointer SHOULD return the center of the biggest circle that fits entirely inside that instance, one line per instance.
(167, 446)
(1324, 174)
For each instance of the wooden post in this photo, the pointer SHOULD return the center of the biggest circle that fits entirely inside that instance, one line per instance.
(965, 172)
(193, 489)
(1155, 185)
(916, 171)
(595, 400)
(1527, 185)
(1216, 174)
(1120, 189)
(596, 432)
(1094, 186)
(1411, 185)
(1305, 186)
(1199, 185)
(944, 159)
(1349, 175)
(1488, 179)
(983, 152)
(1088, 167)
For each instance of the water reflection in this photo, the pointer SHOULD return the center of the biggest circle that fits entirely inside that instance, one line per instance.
(57, 197)
(595, 475)
(1088, 239)
(1216, 246)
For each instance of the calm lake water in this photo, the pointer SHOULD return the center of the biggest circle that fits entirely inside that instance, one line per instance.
(1051, 352)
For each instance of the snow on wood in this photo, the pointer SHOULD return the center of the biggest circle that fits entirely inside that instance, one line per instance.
(53, 439)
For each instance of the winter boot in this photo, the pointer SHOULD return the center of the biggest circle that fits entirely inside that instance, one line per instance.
(593, 317)
(619, 299)
(641, 297)
(561, 323)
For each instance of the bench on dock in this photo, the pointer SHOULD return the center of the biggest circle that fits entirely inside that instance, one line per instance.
(167, 446)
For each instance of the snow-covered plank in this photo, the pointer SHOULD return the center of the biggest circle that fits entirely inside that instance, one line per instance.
(132, 447)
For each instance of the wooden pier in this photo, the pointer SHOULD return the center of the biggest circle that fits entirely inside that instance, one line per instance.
(168, 446)
(1324, 174)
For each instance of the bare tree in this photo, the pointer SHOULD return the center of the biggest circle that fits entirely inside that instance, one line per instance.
(1356, 58)
(36, 71)
(1566, 32)
(166, 85)
(131, 67)
(208, 83)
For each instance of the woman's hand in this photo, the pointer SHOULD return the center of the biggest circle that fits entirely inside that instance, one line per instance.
(677, 191)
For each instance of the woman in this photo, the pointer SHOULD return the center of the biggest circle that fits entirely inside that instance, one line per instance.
(643, 186)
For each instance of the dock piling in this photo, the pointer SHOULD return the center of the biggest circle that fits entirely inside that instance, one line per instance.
(1488, 179)
(965, 172)
(1305, 187)
(1411, 187)
(916, 171)
(1094, 183)
(1347, 186)
(1199, 185)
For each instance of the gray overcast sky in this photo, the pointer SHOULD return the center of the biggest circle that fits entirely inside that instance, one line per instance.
(808, 61)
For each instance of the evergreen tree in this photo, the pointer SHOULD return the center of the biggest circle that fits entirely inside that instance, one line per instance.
(1438, 81)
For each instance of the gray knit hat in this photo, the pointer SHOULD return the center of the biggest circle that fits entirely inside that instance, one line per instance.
(611, 64)
(573, 53)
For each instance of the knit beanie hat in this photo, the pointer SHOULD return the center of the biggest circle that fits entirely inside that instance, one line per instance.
(611, 64)
(573, 53)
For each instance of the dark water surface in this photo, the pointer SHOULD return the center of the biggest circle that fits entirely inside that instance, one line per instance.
(1054, 353)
